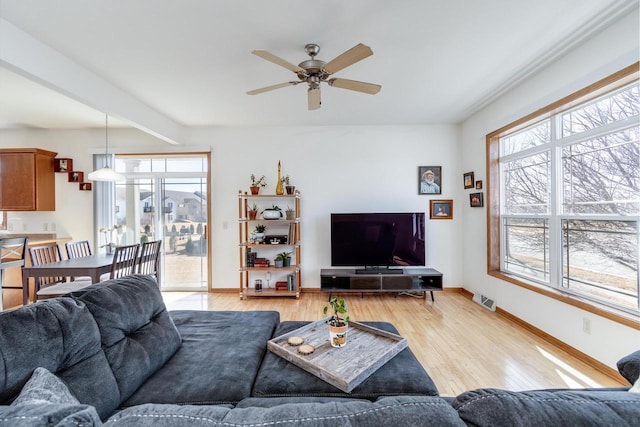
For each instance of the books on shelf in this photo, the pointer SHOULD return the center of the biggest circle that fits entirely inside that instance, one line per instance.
(251, 258)
(291, 238)
(289, 285)
(291, 282)
(261, 262)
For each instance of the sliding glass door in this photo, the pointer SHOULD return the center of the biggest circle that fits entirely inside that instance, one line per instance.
(165, 197)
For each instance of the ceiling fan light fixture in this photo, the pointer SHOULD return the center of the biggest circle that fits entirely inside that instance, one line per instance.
(314, 71)
(106, 173)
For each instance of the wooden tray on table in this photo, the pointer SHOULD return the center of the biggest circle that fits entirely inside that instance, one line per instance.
(367, 349)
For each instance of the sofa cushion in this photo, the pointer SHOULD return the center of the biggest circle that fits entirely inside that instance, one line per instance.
(399, 376)
(268, 402)
(138, 335)
(44, 401)
(492, 407)
(629, 367)
(44, 387)
(217, 362)
(49, 415)
(390, 411)
(59, 335)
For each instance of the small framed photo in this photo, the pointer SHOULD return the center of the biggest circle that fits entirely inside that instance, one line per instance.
(441, 209)
(476, 200)
(468, 180)
(478, 185)
(75, 176)
(429, 179)
(62, 165)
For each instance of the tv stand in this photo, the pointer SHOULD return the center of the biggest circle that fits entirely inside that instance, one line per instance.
(379, 270)
(401, 280)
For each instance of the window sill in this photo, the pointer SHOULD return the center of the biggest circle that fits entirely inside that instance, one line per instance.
(601, 310)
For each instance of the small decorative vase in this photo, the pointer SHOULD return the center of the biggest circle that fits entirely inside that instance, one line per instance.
(290, 215)
(279, 263)
(109, 248)
(290, 189)
(252, 214)
(259, 237)
(254, 190)
(286, 262)
(338, 335)
(279, 186)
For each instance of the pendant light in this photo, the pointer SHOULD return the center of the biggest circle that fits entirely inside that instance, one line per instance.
(106, 173)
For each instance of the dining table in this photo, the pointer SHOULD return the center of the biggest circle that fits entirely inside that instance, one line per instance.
(93, 266)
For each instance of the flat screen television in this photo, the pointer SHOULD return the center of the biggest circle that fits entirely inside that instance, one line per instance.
(377, 240)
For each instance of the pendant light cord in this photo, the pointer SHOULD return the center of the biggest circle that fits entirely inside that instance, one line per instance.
(106, 138)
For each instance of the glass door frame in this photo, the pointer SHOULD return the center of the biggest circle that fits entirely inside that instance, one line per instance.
(157, 179)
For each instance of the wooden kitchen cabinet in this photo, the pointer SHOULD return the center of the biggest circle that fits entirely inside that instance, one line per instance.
(27, 180)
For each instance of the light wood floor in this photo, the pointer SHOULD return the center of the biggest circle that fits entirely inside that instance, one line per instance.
(460, 344)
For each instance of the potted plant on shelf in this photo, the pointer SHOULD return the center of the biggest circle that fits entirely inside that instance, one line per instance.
(290, 214)
(274, 212)
(279, 261)
(252, 211)
(287, 185)
(337, 325)
(258, 232)
(285, 258)
(257, 183)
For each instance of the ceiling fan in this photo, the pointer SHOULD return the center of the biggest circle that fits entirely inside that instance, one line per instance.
(314, 71)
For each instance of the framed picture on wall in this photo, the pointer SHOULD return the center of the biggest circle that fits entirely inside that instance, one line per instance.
(476, 200)
(441, 209)
(429, 179)
(478, 185)
(468, 180)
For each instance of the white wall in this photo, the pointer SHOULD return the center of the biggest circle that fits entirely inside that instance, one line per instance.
(610, 51)
(337, 169)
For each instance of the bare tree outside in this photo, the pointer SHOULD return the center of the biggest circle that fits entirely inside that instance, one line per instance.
(598, 200)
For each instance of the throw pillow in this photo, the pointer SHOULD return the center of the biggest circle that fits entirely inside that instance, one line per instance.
(629, 367)
(44, 387)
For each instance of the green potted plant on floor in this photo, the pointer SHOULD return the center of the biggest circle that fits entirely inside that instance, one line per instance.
(337, 325)
(256, 183)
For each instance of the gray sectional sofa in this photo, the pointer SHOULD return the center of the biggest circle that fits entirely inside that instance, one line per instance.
(112, 354)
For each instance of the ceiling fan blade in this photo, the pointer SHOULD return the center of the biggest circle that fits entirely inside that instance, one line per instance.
(363, 87)
(273, 87)
(277, 60)
(313, 96)
(350, 57)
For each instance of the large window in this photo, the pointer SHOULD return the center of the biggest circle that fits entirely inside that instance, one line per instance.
(564, 197)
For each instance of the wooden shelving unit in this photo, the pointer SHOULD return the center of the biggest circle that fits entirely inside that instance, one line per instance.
(289, 227)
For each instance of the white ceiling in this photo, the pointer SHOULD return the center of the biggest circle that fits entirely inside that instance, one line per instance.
(181, 63)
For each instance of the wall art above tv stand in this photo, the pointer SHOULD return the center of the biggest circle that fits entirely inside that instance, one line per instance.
(410, 280)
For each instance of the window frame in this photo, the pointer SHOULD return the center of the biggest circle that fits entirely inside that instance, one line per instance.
(494, 218)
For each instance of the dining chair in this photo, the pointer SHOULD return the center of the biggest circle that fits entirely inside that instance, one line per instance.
(124, 261)
(149, 259)
(12, 254)
(78, 249)
(41, 255)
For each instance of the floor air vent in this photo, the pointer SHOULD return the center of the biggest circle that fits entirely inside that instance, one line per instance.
(486, 302)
